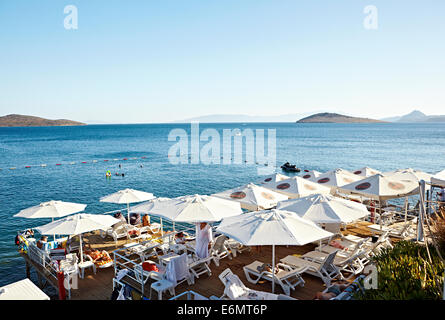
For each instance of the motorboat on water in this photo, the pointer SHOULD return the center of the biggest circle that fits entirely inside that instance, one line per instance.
(290, 167)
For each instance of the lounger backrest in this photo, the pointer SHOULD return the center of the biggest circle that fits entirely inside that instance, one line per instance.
(328, 264)
(118, 225)
(219, 243)
(223, 275)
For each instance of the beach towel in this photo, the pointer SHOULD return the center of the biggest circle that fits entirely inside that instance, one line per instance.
(235, 288)
(203, 238)
(177, 269)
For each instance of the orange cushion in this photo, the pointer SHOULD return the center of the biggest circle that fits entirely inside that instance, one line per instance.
(149, 266)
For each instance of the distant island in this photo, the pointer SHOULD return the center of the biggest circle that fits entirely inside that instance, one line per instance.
(416, 116)
(327, 117)
(317, 116)
(18, 120)
(234, 118)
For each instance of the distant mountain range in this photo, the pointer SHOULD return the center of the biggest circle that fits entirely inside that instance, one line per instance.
(416, 116)
(327, 117)
(219, 118)
(322, 117)
(18, 120)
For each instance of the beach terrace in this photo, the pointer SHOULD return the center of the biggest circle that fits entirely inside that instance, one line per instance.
(99, 285)
(145, 260)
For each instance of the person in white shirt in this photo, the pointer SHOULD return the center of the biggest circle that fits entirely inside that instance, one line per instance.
(204, 238)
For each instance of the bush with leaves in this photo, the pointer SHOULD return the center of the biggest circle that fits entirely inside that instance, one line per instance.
(405, 273)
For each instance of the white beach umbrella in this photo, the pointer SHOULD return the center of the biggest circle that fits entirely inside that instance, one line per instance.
(336, 178)
(409, 175)
(297, 187)
(439, 179)
(380, 187)
(310, 174)
(78, 224)
(195, 209)
(272, 178)
(366, 172)
(252, 197)
(128, 196)
(51, 209)
(271, 227)
(145, 208)
(325, 209)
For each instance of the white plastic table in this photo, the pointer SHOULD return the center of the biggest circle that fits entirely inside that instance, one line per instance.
(84, 265)
(165, 259)
(161, 285)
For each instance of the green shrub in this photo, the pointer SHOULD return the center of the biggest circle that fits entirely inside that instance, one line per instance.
(405, 273)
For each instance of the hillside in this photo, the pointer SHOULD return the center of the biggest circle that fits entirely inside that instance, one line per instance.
(17, 120)
(229, 118)
(416, 116)
(335, 118)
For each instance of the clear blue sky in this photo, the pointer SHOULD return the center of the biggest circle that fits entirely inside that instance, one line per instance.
(164, 60)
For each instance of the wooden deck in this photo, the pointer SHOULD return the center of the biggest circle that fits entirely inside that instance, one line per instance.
(99, 286)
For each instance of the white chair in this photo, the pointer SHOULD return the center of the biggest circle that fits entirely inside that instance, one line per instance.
(87, 263)
(218, 250)
(287, 277)
(176, 272)
(399, 230)
(347, 247)
(236, 247)
(352, 263)
(236, 290)
(118, 231)
(199, 266)
(325, 270)
(70, 269)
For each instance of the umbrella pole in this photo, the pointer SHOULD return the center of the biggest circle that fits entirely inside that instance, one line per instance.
(406, 209)
(81, 251)
(128, 212)
(162, 230)
(54, 235)
(273, 268)
(380, 213)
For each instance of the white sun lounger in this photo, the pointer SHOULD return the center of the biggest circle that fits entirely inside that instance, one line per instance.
(288, 278)
(326, 270)
(236, 290)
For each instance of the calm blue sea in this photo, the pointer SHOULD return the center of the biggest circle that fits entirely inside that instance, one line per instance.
(311, 146)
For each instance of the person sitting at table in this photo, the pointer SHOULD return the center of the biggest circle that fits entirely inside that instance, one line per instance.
(180, 238)
(41, 243)
(204, 238)
(146, 220)
(120, 216)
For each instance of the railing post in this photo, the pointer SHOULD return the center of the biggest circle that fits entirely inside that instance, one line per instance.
(61, 285)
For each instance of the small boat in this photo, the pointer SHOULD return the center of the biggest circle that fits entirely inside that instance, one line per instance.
(290, 167)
